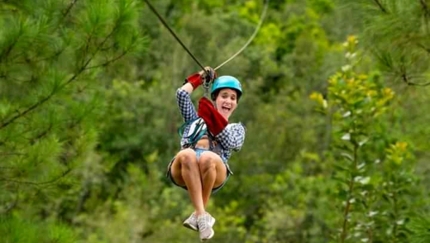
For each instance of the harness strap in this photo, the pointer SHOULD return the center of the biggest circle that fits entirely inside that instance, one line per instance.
(196, 131)
(214, 146)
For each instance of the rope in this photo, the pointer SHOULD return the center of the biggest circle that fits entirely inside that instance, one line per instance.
(263, 15)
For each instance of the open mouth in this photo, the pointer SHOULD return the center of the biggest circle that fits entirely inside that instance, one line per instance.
(225, 109)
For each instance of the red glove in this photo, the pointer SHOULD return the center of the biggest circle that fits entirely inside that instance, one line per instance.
(197, 79)
(213, 119)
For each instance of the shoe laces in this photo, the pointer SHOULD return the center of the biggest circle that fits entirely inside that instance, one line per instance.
(203, 222)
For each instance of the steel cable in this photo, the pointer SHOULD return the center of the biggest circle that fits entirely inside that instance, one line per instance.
(263, 15)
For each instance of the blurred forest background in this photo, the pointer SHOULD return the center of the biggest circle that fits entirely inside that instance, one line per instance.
(335, 104)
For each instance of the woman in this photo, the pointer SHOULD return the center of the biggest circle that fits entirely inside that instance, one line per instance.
(207, 143)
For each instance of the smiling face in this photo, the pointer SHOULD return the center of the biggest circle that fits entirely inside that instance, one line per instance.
(226, 102)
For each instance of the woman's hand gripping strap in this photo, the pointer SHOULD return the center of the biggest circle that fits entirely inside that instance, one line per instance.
(215, 122)
(203, 77)
(208, 75)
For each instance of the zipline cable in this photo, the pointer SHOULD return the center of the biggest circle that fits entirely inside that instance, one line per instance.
(173, 33)
(263, 15)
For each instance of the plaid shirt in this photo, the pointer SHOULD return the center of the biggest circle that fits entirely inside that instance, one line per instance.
(230, 139)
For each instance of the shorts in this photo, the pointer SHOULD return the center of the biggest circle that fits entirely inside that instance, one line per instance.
(199, 151)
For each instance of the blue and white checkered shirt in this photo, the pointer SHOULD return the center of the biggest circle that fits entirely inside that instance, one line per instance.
(230, 139)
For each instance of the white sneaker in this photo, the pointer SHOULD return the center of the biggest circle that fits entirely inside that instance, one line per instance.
(205, 223)
(191, 222)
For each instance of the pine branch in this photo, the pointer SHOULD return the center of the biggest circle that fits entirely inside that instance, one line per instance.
(21, 114)
(8, 50)
(427, 49)
(69, 8)
(406, 78)
(107, 62)
(41, 134)
(38, 60)
(57, 89)
(63, 174)
(380, 6)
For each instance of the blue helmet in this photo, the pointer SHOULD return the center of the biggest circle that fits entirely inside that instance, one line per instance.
(224, 82)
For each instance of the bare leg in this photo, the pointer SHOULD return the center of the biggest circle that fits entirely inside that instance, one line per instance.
(213, 173)
(185, 171)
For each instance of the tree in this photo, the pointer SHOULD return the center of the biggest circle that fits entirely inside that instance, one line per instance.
(54, 56)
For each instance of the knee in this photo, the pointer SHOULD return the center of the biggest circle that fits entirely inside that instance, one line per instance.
(187, 158)
(207, 163)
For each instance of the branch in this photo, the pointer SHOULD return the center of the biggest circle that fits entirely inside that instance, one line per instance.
(38, 60)
(107, 62)
(69, 8)
(418, 84)
(41, 134)
(404, 74)
(405, 77)
(38, 183)
(37, 104)
(8, 50)
(75, 76)
(380, 6)
(424, 48)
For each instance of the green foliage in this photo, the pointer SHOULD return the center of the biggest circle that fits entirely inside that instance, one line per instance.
(396, 33)
(375, 187)
(420, 229)
(51, 56)
(16, 228)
